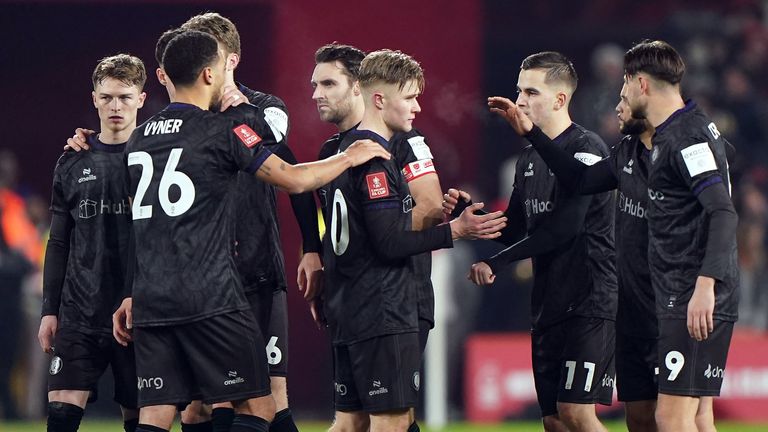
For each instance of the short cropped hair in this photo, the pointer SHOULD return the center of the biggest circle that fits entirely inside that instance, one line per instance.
(217, 26)
(391, 67)
(162, 42)
(123, 67)
(656, 58)
(349, 56)
(558, 67)
(187, 55)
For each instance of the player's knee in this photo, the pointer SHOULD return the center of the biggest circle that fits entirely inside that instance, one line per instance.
(196, 412)
(552, 424)
(640, 418)
(350, 422)
(263, 407)
(64, 417)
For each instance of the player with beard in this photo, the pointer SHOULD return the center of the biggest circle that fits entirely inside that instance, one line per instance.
(369, 290)
(87, 256)
(194, 330)
(336, 90)
(570, 238)
(692, 234)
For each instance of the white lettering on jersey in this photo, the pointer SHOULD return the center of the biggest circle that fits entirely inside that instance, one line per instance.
(698, 158)
(162, 127)
(587, 158)
(420, 148)
(277, 120)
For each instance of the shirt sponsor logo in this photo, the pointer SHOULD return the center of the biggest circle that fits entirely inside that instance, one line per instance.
(247, 135)
(535, 206)
(233, 379)
(420, 148)
(698, 159)
(587, 158)
(56, 365)
(377, 389)
(417, 169)
(629, 206)
(529, 171)
(377, 185)
(654, 154)
(154, 383)
(87, 176)
(89, 208)
(714, 372)
(162, 127)
(671, 301)
(628, 167)
(655, 195)
(277, 120)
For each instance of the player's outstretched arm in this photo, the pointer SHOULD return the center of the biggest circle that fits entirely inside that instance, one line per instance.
(564, 223)
(456, 201)
(478, 226)
(573, 174)
(310, 176)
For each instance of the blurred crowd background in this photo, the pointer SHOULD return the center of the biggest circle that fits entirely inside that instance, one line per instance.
(469, 49)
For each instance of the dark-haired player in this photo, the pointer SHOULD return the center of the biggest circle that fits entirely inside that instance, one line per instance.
(87, 253)
(194, 331)
(692, 235)
(570, 238)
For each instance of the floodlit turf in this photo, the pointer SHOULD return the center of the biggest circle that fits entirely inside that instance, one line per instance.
(90, 425)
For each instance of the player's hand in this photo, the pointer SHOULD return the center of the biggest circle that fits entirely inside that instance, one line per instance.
(509, 110)
(316, 308)
(451, 199)
(471, 226)
(48, 326)
(310, 275)
(481, 274)
(231, 96)
(122, 322)
(78, 140)
(700, 309)
(361, 151)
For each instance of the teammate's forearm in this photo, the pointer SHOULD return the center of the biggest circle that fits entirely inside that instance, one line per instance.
(392, 243)
(564, 224)
(303, 177)
(570, 172)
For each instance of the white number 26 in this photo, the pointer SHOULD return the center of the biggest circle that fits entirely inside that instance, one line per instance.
(170, 177)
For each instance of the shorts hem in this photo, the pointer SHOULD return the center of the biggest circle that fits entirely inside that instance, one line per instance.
(238, 397)
(637, 398)
(347, 408)
(66, 387)
(690, 393)
(175, 402)
(376, 410)
(281, 374)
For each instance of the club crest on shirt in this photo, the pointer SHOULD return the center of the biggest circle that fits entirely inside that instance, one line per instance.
(247, 135)
(377, 185)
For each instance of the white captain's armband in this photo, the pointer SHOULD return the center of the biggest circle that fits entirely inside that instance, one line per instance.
(698, 159)
(414, 170)
(420, 147)
(587, 158)
(277, 120)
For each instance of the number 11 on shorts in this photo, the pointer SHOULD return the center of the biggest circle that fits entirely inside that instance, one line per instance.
(571, 366)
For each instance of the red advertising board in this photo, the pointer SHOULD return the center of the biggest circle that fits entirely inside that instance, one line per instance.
(499, 383)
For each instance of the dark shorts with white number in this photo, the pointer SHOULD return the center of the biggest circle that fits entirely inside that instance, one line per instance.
(216, 359)
(377, 375)
(573, 362)
(80, 359)
(637, 368)
(270, 307)
(689, 367)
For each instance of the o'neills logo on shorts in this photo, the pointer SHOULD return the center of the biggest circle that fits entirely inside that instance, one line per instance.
(377, 389)
(234, 379)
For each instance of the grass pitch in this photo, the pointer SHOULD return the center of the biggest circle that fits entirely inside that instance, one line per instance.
(94, 425)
